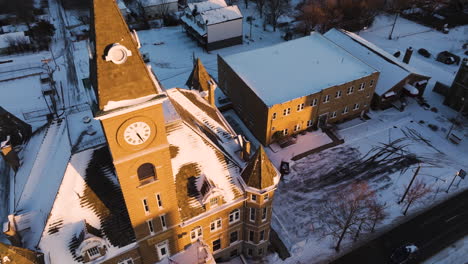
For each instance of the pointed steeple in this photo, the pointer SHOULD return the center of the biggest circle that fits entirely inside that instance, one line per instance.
(199, 77)
(259, 172)
(117, 70)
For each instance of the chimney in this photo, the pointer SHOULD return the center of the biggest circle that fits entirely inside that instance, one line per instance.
(9, 154)
(408, 53)
(9, 229)
(211, 92)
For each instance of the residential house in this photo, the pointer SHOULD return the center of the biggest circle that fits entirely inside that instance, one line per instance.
(396, 77)
(289, 87)
(159, 8)
(213, 24)
(457, 95)
(172, 181)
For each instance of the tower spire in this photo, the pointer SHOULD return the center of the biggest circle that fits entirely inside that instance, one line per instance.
(117, 70)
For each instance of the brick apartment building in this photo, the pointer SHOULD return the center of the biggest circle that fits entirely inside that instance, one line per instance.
(289, 87)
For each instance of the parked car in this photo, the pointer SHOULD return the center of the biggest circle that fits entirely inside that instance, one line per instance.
(404, 254)
(424, 52)
(448, 58)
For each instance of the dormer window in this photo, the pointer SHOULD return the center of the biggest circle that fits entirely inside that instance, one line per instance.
(213, 202)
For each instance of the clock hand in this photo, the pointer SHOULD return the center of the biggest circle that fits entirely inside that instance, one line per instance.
(139, 136)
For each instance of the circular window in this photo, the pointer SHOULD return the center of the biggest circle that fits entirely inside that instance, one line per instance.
(118, 54)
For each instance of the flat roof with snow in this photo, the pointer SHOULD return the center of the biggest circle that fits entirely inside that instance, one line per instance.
(392, 71)
(296, 68)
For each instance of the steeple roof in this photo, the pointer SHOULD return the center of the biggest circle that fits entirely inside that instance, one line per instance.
(199, 77)
(260, 172)
(126, 77)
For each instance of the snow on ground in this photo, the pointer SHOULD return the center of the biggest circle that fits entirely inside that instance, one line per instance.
(170, 49)
(315, 177)
(455, 253)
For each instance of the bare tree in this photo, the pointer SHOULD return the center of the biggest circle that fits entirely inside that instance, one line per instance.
(376, 213)
(416, 194)
(310, 15)
(18, 44)
(276, 8)
(260, 6)
(346, 211)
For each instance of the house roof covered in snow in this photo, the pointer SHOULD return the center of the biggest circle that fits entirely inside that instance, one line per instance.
(89, 201)
(203, 147)
(117, 69)
(206, 5)
(219, 15)
(6, 38)
(296, 68)
(260, 172)
(392, 71)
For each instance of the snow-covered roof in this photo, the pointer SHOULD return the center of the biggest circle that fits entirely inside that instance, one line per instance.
(4, 38)
(219, 15)
(392, 71)
(88, 182)
(197, 252)
(40, 180)
(206, 5)
(296, 68)
(147, 3)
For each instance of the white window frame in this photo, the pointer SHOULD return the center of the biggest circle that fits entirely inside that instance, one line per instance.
(235, 215)
(314, 102)
(253, 197)
(252, 214)
(362, 86)
(326, 99)
(287, 111)
(350, 90)
(264, 214)
(333, 115)
(150, 225)
(346, 110)
(165, 245)
(260, 238)
(93, 255)
(220, 245)
(163, 221)
(144, 201)
(285, 132)
(356, 107)
(310, 123)
(215, 225)
(214, 202)
(158, 200)
(273, 117)
(196, 233)
(300, 107)
(338, 94)
(297, 127)
(126, 261)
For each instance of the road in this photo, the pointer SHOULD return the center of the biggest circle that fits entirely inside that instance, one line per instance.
(431, 231)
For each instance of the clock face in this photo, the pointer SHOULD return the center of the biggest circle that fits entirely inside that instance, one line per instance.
(137, 133)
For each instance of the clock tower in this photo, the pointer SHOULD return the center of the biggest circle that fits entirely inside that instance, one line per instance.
(130, 107)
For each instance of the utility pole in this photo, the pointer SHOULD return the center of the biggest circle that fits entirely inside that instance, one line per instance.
(409, 185)
(460, 173)
(393, 26)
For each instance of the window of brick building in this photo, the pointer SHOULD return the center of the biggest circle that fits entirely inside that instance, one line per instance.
(350, 90)
(217, 244)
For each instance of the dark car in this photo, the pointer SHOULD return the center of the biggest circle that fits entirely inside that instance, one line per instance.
(448, 58)
(284, 167)
(404, 254)
(424, 52)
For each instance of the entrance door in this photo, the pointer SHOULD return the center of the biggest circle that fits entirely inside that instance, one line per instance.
(163, 249)
(322, 121)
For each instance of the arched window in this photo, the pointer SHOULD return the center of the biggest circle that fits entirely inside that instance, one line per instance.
(146, 172)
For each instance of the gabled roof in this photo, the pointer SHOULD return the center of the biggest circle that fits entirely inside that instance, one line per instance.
(260, 172)
(392, 71)
(199, 77)
(117, 82)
